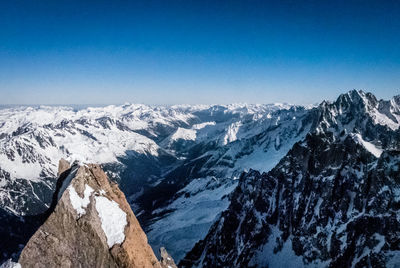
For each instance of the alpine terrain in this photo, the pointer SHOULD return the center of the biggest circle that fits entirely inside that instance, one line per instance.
(176, 165)
(216, 185)
(332, 201)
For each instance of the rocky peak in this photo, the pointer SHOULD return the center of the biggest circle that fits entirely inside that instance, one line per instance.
(361, 116)
(332, 201)
(91, 225)
(396, 101)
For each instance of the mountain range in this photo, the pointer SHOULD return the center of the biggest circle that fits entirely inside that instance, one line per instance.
(223, 185)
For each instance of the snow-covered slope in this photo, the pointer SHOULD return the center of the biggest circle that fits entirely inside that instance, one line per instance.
(32, 139)
(214, 162)
(332, 200)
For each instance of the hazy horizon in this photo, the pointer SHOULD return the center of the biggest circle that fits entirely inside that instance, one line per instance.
(94, 105)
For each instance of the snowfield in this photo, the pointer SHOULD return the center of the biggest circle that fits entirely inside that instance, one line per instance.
(78, 203)
(113, 220)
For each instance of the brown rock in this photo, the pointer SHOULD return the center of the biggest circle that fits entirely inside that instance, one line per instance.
(73, 235)
(63, 165)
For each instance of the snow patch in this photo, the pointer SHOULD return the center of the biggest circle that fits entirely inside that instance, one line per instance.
(78, 203)
(113, 220)
(203, 125)
(190, 216)
(184, 134)
(231, 133)
(10, 264)
(189, 134)
(369, 146)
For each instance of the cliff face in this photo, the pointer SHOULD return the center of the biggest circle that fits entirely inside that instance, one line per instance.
(92, 225)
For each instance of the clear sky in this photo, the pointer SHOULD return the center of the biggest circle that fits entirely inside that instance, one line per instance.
(171, 52)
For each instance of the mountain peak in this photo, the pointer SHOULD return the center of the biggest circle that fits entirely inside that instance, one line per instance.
(358, 97)
(356, 107)
(92, 225)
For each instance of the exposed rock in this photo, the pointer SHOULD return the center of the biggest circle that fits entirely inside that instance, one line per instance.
(166, 259)
(63, 165)
(92, 225)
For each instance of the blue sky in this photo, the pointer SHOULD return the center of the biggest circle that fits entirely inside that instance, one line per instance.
(167, 52)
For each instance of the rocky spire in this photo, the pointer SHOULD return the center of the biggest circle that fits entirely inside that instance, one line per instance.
(92, 225)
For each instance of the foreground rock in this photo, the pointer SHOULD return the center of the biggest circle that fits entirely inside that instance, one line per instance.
(92, 225)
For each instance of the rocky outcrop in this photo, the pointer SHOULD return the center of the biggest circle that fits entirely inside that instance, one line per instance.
(92, 225)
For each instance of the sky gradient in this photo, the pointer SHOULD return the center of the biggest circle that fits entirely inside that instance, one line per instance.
(174, 52)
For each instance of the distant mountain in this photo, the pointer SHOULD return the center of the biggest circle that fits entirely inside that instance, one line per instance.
(333, 200)
(276, 183)
(156, 154)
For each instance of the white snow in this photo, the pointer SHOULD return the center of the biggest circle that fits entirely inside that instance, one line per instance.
(190, 133)
(113, 220)
(382, 119)
(231, 132)
(29, 171)
(203, 125)
(185, 134)
(369, 146)
(191, 217)
(78, 203)
(44, 134)
(10, 264)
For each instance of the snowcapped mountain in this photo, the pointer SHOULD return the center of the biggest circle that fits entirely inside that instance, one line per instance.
(321, 172)
(333, 200)
(143, 148)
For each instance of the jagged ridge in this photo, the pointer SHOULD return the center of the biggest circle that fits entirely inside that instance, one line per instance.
(333, 200)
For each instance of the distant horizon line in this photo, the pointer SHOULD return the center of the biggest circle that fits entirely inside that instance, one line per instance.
(147, 104)
(94, 105)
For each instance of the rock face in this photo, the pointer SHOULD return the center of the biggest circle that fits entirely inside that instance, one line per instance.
(332, 201)
(92, 225)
